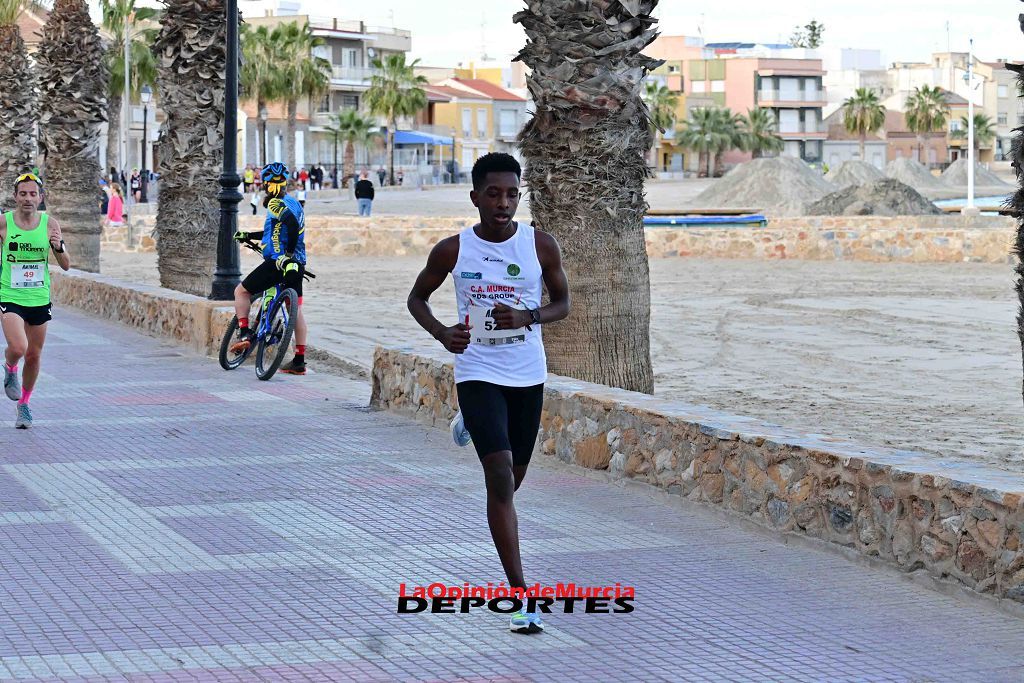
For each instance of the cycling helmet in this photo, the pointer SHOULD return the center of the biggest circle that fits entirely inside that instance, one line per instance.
(275, 179)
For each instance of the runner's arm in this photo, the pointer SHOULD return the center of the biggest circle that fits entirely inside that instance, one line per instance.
(440, 262)
(56, 242)
(550, 256)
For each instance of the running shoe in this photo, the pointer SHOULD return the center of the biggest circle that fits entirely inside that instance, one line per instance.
(245, 339)
(520, 623)
(24, 420)
(294, 368)
(536, 625)
(12, 387)
(459, 432)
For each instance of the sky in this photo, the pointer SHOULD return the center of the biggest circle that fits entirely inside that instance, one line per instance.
(446, 32)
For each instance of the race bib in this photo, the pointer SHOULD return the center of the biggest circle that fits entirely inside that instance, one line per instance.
(28, 275)
(484, 332)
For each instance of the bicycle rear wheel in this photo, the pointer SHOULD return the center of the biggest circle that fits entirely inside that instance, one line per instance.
(229, 360)
(272, 346)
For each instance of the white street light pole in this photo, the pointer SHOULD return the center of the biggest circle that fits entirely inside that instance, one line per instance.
(125, 104)
(970, 125)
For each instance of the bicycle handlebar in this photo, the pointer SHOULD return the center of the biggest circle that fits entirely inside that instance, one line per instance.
(306, 275)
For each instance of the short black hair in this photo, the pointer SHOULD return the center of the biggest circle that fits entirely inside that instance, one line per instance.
(494, 162)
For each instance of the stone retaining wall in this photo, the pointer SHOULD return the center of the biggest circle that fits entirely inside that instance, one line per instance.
(191, 320)
(917, 239)
(907, 509)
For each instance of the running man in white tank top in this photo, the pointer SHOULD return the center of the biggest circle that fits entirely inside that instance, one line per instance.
(499, 268)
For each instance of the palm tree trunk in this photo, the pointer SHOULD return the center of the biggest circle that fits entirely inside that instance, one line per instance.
(718, 164)
(392, 122)
(71, 52)
(920, 148)
(192, 151)
(586, 155)
(862, 141)
(701, 161)
(17, 115)
(350, 161)
(1016, 202)
(289, 143)
(113, 132)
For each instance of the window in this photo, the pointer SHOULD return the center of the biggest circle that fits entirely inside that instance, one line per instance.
(350, 101)
(481, 123)
(351, 57)
(673, 69)
(509, 128)
(1001, 119)
(717, 86)
(467, 122)
(1020, 119)
(698, 86)
(324, 105)
(1003, 91)
(954, 124)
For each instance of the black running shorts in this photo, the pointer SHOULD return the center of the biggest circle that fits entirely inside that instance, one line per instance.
(266, 275)
(32, 315)
(502, 418)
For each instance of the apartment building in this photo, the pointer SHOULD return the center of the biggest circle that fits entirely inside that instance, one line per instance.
(350, 47)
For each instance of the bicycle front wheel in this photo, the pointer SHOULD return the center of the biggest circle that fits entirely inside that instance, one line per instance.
(273, 345)
(229, 360)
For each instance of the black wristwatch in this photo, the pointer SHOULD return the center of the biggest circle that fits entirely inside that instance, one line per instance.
(58, 251)
(535, 316)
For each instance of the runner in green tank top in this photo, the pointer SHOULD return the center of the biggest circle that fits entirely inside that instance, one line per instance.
(26, 238)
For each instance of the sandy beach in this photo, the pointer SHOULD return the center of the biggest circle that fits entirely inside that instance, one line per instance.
(918, 357)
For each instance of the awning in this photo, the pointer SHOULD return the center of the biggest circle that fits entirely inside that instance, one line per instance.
(415, 137)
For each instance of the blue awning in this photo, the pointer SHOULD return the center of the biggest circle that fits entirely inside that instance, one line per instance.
(415, 137)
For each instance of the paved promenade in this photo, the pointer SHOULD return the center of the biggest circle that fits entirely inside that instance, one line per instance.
(167, 521)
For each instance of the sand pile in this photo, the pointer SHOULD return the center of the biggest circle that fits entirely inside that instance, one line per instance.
(956, 176)
(911, 172)
(779, 185)
(885, 197)
(853, 173)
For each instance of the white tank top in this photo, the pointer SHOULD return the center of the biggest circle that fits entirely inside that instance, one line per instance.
(487, 273)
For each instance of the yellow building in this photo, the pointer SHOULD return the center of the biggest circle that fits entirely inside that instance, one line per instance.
(469, 116)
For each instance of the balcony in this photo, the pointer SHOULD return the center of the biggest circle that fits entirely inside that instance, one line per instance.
(791, 98)
(804, 131)
(354, 76)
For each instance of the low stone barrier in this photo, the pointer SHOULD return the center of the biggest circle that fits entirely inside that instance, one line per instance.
(191, 320)
(915, 239)
(958, 524)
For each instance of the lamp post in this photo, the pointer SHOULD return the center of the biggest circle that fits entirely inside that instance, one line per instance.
(263, 114)
(228, 272)
(146, 94)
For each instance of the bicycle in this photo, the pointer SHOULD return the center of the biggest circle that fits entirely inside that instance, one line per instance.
(273, 325)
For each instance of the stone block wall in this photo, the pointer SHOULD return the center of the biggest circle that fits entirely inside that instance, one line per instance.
(904, 508)
(916, 239)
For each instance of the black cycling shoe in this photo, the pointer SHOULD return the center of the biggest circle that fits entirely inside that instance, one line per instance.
(294, 368)
(244, 343)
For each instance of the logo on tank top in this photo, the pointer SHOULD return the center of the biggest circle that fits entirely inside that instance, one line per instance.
(472, 276)
(491, 259)
(513, 269)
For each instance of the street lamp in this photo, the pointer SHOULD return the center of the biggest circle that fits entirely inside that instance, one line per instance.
(228, 272)
(145, 95)
(263, 113)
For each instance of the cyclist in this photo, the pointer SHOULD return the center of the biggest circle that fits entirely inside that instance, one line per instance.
(284, 260)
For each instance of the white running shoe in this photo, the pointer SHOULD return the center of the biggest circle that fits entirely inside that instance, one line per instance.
(459, 432)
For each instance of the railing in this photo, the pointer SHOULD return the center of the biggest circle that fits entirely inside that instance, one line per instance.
(443, 131)
(360, 74)
(790, 96)
(356, 27)
(803, 128)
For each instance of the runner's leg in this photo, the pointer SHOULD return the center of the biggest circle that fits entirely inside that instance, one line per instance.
(17, 341)
(501, 514)
(36, 335)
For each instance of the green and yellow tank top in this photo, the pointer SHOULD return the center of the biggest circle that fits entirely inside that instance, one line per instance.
(25, 272)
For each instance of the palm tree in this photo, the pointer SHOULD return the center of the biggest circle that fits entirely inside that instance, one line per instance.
(70, 118)
(863, 114)
(757, 129)
(303, 74)
(585, 152)
(191, 59)
(18, 113)
(703, 133)
(662, 103)
(261, 77)
(395, 90)
(351, 128)
(730, 127)
(118, 16)
(984, 132)
(926, 112)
